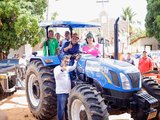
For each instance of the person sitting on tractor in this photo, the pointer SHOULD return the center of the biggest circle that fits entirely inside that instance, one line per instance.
(66, 39)
(145, 63)
(50, 46)
(91, 48)
(72, 47)
(63, 85)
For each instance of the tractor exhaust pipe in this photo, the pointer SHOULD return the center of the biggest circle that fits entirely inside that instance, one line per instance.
(116, 39)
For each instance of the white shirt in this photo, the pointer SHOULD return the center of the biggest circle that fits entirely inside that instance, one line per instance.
(63, 82)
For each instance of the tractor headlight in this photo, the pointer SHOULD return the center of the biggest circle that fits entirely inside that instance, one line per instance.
(140, 82)
(125, 82)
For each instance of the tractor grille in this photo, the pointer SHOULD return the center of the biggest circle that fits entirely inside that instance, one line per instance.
(115, 78)
(135, 79)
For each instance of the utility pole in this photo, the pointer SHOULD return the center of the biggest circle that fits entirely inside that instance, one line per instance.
(47, 12)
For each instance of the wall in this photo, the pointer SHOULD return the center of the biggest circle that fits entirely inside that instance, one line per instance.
(139, 45)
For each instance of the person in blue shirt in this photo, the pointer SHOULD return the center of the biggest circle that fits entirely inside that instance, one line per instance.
(72, 47)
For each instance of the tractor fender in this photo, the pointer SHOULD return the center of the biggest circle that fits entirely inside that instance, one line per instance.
(47, 60)
(98, 86)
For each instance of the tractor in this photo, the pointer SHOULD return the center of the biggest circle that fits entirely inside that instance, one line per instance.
(8, 80)
(103, 86)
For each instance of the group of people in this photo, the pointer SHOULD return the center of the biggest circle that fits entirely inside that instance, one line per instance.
(70, 45)
(145, 63)
(65, 49)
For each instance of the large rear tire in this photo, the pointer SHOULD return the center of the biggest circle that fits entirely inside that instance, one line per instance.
(40, 91)
(85, 103)
(153, 88)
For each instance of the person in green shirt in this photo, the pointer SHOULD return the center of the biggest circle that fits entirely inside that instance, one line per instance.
(52, 45)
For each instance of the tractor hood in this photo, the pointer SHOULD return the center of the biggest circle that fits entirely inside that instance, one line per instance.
(100, 63)
(112, 74)
(120, 65)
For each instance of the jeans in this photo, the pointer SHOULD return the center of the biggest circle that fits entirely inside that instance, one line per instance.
(62, 100)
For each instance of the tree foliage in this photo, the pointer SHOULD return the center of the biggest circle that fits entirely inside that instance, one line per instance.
(153, 19)
(19, 23)
(128, 14)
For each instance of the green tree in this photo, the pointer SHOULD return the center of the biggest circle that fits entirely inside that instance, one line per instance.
(54, 15)
(128, 14)
(153, 19)
(19, 23)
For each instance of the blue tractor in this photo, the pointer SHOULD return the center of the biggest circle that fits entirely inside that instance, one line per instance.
(103, 86)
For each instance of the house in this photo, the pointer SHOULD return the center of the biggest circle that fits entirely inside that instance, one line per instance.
(144, 43)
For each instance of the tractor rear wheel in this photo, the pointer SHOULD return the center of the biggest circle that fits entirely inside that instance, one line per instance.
(153, 88)
(85, 103)
(40, 91)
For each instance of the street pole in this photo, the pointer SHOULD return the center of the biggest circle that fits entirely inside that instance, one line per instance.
(47, 12)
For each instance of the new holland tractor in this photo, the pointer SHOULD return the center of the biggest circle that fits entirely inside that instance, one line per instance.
(103, 86)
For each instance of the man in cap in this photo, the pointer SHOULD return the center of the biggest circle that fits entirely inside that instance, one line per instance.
(72, 47)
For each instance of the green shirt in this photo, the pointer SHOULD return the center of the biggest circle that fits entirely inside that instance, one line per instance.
(53, 45)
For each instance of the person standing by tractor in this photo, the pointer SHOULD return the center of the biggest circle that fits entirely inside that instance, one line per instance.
(50, 46)
(63, 85)
(129, 59)
(145, 63)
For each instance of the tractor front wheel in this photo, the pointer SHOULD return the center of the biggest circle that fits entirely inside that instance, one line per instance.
(40, 91)
(85, 103)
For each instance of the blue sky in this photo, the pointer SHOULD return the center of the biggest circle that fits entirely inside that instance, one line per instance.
(84, 10)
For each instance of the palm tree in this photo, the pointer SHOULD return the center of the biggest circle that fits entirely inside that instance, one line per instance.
(128, 14)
